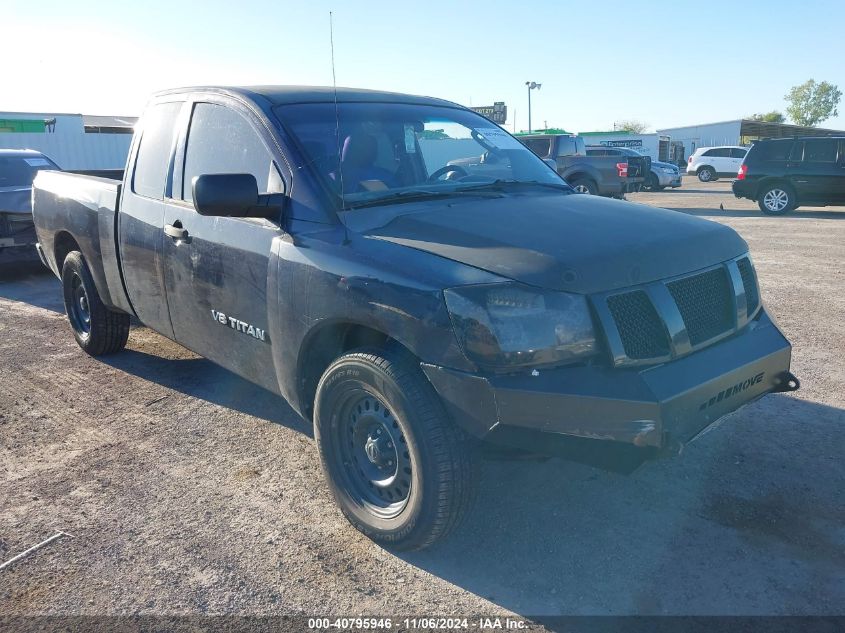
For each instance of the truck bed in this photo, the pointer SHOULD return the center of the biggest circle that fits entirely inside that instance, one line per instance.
(79, 212)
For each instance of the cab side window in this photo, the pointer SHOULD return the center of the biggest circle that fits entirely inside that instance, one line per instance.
(221, 141)
(153, 161)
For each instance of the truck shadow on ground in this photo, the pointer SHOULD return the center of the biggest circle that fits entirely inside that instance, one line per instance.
(31, 283)
(748, 514)
(202, 379)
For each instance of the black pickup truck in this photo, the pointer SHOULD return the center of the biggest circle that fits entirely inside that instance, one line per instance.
(318, 244)
(597, 175)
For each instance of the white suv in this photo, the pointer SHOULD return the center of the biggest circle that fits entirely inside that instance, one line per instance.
(711, 162)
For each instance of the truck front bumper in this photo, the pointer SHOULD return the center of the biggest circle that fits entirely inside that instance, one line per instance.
(656, 407)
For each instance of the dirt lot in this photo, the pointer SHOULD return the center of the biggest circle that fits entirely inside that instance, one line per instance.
(190, 491)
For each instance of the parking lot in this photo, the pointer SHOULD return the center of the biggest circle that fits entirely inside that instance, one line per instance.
(189, 490)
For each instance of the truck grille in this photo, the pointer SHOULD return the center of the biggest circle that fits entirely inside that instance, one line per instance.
(705, 302)
(752, 295)
(647, 321)
(639, 325)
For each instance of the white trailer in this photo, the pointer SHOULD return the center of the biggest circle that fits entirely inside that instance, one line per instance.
(658, 146)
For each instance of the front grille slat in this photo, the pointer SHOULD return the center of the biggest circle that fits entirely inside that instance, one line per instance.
(752, 295)
(705, 302)
(639, 325)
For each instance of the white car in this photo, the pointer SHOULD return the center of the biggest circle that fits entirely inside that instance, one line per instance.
(709, 163)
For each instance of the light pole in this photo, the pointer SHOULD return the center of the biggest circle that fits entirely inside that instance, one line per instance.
(532, 85)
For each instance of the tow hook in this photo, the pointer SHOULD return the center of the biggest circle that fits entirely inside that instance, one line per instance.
(787, 382)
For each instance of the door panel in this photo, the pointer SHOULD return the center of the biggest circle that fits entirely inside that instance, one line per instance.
(218, 276)
(217, 284)
(142, 216)
(816, 176)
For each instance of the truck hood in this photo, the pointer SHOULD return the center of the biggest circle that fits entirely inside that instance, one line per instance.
(576, 243)
(16, 200)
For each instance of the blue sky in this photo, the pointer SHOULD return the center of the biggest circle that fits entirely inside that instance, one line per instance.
(667, 63)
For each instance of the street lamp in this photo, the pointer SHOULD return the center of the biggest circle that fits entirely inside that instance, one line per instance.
(532, 85)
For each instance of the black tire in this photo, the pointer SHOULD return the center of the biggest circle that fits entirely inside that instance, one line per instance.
(407, 475)
(707, 174)
(97, 329)
(652, 183)
(776, 199)
(584, 185)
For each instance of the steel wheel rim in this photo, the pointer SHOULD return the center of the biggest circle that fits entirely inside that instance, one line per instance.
(374, 453)
(776, 199)
(80, 307)
(582, 189)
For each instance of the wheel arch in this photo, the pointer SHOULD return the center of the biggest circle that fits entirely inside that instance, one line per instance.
(63, 244)
(323, 344)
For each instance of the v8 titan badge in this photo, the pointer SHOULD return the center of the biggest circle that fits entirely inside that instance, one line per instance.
(240, 326)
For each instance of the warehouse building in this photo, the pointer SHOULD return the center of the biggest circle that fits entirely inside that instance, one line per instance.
(739, 132)
(72, 141)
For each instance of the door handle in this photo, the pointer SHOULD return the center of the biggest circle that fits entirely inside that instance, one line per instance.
(176, 231)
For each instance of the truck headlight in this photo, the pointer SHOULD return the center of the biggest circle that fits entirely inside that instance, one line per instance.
(511, 325)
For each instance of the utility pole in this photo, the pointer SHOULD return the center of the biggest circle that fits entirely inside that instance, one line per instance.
(532, 85)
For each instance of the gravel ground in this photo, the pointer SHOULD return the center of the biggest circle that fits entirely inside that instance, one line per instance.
(189, 491)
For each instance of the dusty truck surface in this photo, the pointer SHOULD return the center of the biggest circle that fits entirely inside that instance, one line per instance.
(322, 245)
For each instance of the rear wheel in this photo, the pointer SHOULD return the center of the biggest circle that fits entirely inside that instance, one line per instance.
(97, 329)
(776, 200)
(706, 174)
(652, 183)
(398, 467)
(584, 185)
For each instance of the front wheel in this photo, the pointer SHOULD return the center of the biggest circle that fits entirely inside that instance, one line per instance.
(776, 200)
(97, 329)
(706, 174)
(398, 467)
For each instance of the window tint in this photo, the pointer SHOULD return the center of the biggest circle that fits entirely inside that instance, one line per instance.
(596, 152)
(775, 150)
(820, 150)
(797, 151)
(153, 162)
(221, 141)
(719, 152)
(540, 146)
(737, 152)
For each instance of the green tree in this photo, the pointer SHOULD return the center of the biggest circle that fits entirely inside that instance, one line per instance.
(811, 103)
(434, 135)
(769, 117)
(631, 125)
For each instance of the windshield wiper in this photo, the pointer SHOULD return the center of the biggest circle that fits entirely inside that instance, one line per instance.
(411, 195)
(501, 184)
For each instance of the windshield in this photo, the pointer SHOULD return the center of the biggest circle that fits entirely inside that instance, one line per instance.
(366, 153)
(20, 171)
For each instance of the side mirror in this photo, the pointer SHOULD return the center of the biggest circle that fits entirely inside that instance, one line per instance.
(232, 195)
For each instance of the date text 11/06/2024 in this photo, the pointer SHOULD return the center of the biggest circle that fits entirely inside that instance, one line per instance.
(420, 623)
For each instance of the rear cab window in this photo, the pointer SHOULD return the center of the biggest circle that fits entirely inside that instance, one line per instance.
(540, 146)
(152, 164)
